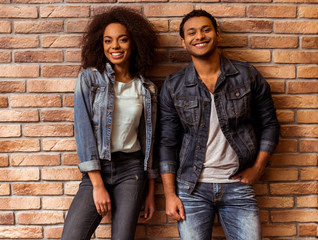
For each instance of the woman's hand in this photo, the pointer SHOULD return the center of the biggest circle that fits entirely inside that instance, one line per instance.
(101, 200)
(150, 201)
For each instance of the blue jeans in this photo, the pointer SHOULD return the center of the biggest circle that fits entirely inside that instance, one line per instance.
(125, 181)
(234, 203)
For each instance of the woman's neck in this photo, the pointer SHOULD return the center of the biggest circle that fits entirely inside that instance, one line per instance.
(122, 73)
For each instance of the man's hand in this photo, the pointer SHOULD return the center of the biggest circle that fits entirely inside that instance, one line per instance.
(174, 207)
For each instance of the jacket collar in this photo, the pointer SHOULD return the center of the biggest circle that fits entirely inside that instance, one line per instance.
(227, 69)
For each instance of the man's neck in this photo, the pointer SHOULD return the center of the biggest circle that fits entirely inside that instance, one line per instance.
(208, 69)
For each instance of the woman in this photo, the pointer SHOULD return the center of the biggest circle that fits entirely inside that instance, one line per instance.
(115, 117)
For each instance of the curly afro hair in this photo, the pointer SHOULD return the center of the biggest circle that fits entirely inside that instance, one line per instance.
(141, 32)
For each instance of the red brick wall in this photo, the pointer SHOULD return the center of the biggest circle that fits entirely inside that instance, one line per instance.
(39, 62)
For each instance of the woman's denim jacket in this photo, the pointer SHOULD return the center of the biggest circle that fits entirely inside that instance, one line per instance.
(93, 112)
(245, 111)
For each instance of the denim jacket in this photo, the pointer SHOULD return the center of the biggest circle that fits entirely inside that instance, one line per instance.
(245, 112)
(93, 113)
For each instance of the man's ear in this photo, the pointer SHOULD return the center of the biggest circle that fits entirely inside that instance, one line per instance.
(182, 43)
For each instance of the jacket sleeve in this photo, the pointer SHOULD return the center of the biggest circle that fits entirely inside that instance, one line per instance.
(264, 113)
(86, 145)
(170, 132)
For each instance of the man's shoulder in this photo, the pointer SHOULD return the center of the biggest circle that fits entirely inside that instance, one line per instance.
(180, 75)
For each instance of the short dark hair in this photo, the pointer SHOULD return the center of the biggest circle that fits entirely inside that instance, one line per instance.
(142, 34)
(197, 13)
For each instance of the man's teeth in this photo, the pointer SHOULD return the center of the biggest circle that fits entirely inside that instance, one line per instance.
(200, 44)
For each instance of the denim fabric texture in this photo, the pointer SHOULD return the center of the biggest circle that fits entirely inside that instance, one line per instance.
(245, 111)
(234, 203)
(93, 112)
(125, 181)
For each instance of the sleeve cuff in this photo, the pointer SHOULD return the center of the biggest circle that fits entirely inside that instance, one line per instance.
(89, 166)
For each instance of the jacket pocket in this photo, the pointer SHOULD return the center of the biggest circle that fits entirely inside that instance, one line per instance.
(188, 110)
(238, 101)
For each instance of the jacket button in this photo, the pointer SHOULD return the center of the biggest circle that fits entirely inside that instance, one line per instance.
(198, 147)
(188, 187)
(202, 125)
(194, 168)
(205, 103)
(187, 104)
(237, 94)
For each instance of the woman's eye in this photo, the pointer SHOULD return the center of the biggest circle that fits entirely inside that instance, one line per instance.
(107, 41)
(124, 40)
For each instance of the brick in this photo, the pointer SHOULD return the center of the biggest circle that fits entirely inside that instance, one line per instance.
(19, 146)
(10, 131)
(249, 55)
(273, 42)
(103, 231)
(35, 101)
(60, 70)
(17, 203)
(71, 188)
(4, 190)
(160, 25)
(268, 11)
(38, 56)
(6, 219)
(296, 27)
(278, 71)
(260, 189)
(163, 231)
(308, 174)
(294, 216)
(309, 42)
(35, 160)
(20, 232)
(19, 174)
(286, 145)
(225, 10)
(70, 159)
(73, 56)
(307, 116)
(61, 41)
(59, 115)
(169, 40)
(272, 230)
(3, 102)
(308, 230)
(68, 100)
(12, 86)
(18, 12)
(53, 232)
(5, 27)
(285, 116)
(299, 131)
(37, 1)
(246, 1)
(294, 160)
(307, 202)
(4, 161)
(166, 10)
(95, 10)
(5, 57)
(51, 85)
(295, 57)
(174, 25)
(64, 11)
(59, 145)
(308, 145)
(159, 217)
(260, 26)
(37, 189)
(91, 1)
(45, 26)
(13, 42)
(308, 12)
(179, 56)
(49, 130)
(62, 174)
(294, 188)
(19, 116)
(280, 174)
(296, 101)
(277, 86)
(275, 202)
(308, 71)
(19, 71)
(76, 26)
(303, 87)
(56, 203)
(36, 218)
(165, 70)
(230, 40)
(296, 1)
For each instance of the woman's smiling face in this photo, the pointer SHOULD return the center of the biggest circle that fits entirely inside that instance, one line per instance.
(117, 44)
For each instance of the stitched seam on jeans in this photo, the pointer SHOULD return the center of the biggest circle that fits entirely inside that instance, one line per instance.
(87, 235)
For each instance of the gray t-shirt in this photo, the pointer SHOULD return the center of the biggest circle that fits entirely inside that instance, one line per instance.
(220, 159)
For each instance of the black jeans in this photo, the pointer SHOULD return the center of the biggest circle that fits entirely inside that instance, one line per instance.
(125, 181)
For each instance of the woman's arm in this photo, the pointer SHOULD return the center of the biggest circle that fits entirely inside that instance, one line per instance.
(150, 200)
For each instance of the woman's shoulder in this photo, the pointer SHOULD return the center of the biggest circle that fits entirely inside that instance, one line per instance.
(150, 85)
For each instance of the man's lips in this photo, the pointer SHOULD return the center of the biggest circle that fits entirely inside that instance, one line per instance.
(200, 44)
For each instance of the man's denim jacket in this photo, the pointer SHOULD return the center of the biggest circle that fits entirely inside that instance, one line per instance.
(245, 111)
(93, 112)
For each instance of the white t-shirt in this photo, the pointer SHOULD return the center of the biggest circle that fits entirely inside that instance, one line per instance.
(220, 159)
(128, 107)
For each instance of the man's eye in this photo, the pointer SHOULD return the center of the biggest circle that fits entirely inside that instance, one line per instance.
(191, 33)
(207, 30)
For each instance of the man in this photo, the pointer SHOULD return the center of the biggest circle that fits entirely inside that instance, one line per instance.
(218, 128)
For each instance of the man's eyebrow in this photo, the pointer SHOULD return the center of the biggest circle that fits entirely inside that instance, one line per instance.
(193, 28)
